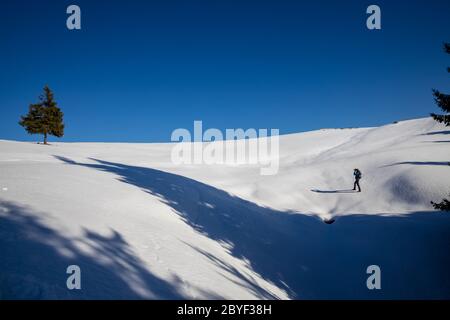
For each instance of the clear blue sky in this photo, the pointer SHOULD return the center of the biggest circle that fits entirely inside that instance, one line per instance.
(139, 69)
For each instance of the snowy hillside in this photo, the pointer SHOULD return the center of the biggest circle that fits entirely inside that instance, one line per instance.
(141, 227)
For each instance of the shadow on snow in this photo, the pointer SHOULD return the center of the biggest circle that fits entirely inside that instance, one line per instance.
(419, 163)
(296, 252)
(34, 259)
(334, 191)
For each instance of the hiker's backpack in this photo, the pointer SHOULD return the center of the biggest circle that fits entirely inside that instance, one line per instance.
(358, 174)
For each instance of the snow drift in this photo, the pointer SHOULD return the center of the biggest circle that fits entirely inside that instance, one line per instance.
(141, 227)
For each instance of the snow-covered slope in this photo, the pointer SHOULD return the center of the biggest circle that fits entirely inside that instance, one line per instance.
(141, 227)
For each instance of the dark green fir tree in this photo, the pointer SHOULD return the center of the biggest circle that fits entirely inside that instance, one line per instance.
(44, 117)
(444, 205)
(443, 102)
(442, 99)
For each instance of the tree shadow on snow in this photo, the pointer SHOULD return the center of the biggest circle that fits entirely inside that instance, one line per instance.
(299, 253)
(437, 132)
(419, 163)
(436, 141)
(34, 260)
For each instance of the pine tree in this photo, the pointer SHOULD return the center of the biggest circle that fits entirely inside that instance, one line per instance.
(444, 205)
(442, 99)
(44, 117)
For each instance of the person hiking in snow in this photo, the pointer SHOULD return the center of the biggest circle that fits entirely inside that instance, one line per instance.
(357, 175)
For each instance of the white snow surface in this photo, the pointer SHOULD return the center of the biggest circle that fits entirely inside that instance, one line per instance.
(141, 227)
